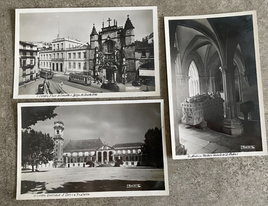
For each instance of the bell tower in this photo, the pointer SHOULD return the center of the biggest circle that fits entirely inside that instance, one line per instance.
(129, 32)
(58, 140)
(94, 38)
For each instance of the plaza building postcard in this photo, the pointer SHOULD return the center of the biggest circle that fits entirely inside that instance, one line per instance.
(91, 149)
(86, 53)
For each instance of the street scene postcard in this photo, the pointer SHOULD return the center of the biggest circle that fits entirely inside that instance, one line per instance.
(86, 53)
(215, 90)
(91, 149)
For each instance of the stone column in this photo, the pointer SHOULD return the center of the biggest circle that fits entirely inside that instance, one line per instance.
(108, 156)
(231, 124)
(97, 156)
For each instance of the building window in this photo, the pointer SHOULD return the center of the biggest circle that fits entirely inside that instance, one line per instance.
(85, 66)
(79, 55)
(58, 131)
(69, 54)
(85, 55)
(58, 46)
(70, 65)
(79, 65)
(143, 54)
(61, 55)
(61, 46)
(110, 46)
(74, 65)
(194, 87)
(74, 55)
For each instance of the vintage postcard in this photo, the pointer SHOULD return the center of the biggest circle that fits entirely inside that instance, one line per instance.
(86, 53)
(215, 91)
(91, 149)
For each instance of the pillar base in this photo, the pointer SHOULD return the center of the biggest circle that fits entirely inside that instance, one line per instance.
(232, 126)
(180, 150)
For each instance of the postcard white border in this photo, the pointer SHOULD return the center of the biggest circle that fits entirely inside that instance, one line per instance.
(86, 95)
(92, 194)
(259, 86)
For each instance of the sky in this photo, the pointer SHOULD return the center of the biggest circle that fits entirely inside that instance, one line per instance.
(112, 123)
(43, 26)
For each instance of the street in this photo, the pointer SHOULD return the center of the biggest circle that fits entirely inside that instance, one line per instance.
(93, 88)
(31, 88)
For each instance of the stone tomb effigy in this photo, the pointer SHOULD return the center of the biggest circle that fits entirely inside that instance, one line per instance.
(202, 108)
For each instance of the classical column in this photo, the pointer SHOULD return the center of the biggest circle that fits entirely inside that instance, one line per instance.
(108, 156)
(97, 156)
(231, 124)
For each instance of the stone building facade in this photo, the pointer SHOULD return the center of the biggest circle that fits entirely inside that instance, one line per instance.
(112, 53)
(93, 152)
(28, 69)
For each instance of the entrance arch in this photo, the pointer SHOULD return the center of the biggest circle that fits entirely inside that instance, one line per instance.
(194, 85)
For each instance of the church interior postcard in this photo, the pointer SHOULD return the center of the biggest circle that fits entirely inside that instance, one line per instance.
(214, 80)
(86, 53)
(91, 149)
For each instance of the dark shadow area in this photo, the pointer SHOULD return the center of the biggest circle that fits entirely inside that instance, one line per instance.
(32, 186)
(108, 185)
(30, 171)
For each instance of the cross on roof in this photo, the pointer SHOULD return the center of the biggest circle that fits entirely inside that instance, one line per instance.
(109, 20)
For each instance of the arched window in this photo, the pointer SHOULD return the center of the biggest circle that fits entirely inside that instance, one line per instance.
(194, 87)
(110, 46)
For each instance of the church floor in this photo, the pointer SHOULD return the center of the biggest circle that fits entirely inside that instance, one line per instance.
(207, 141)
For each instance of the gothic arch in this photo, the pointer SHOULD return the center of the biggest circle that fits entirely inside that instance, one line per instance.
(194, 84)
(209, 35)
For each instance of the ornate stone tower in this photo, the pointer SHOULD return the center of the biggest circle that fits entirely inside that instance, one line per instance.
(129, 32)
(58, 140)
(94, 38)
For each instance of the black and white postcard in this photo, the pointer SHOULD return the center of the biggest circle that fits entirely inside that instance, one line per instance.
(215, 91)
(86, 53)
(91, 149)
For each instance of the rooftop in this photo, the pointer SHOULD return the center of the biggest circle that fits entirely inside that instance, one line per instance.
(89, 144)
(134, 144)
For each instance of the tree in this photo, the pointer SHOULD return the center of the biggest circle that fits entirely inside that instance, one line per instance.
(31, 115)
(37, 148)
(152, 149)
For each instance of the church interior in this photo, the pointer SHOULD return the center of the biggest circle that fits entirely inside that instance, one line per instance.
(214, 85)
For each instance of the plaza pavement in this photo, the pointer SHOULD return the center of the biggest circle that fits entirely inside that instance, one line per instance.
(56, 177)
